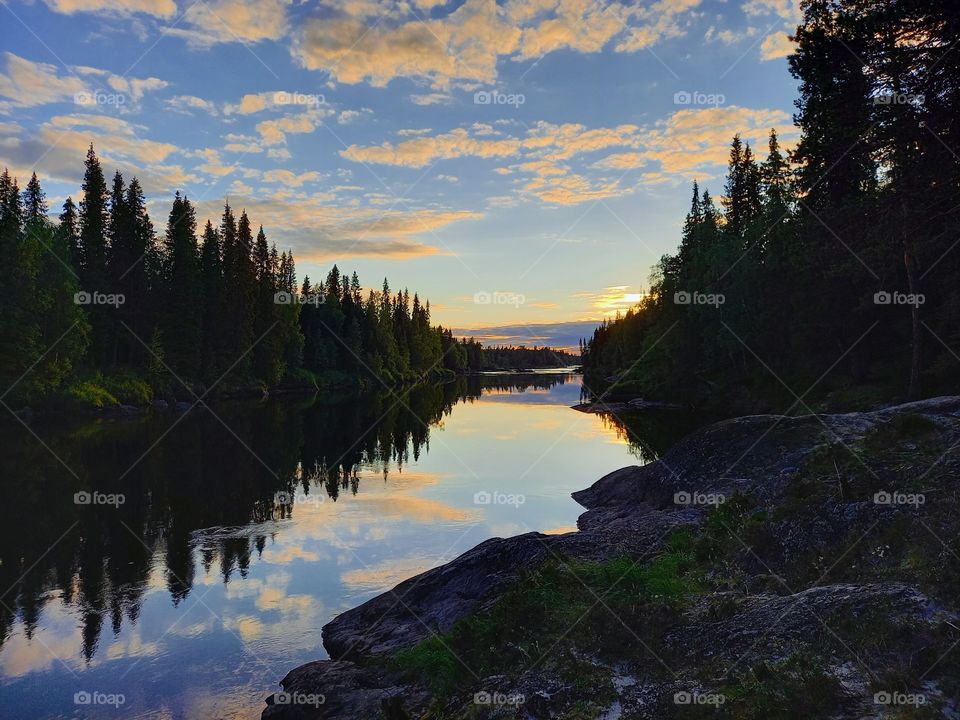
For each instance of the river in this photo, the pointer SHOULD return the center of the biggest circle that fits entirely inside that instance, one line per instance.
(178, 565)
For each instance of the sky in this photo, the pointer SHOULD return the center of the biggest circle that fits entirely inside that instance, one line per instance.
(521, 164)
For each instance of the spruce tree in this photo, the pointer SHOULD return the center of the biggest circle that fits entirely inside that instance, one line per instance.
(70, 229)
(215, 310)
(94, 276)
(181, 307)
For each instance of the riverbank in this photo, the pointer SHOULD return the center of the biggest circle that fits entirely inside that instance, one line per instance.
(124, 393)
(765, 567)
(128, 393)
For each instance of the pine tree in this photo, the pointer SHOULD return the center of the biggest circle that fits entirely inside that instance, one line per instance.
(268, 352)
(215, 311)
(34, 203)
(19, 331)
(94, 277)
(182, 305)
(135, 256)
(70, 228)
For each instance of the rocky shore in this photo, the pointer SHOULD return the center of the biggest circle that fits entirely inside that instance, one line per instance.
(765, 567)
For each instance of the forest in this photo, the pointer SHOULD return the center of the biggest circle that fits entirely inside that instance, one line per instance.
(827, 273)
(515, 357)
(99, 310)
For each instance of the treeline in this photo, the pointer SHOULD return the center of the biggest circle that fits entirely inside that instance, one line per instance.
(831, 269)
(514, 357)
(98, 304)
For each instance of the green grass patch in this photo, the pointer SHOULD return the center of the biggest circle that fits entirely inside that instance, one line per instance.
(600, 608)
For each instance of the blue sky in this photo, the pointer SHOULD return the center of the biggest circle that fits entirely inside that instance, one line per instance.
(516, 162)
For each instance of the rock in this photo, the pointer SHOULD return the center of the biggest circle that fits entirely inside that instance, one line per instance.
(611, 406)
(348, 691)
(182, 407)
(160, 405)
(128, 410)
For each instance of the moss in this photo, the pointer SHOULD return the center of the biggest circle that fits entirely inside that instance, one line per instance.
(857, 397)
(900, 429)
(798, 687)
(893, 455)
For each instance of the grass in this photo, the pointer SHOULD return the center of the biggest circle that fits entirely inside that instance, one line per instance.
(798, 687)
(562, 604)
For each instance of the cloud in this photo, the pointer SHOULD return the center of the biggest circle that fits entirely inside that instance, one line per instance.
(421, 151)
(115, 136)
(788, 10)
(28, 84)
(258, 102)
(348, 116)
(463, 45)
(55, 150)
(661, 21)
(158, 8)
(288, 178)
(241, 147)
(377, 42)
(562, 335)
(613, 300)
(556, 158)
(431, 99)
(188, 103)
(582, 26)
(776, 45)
(135, 87)
(221, 21)
(274, 132)
(318, 228)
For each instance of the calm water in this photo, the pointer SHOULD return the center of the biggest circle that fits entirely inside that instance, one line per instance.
(241, 533)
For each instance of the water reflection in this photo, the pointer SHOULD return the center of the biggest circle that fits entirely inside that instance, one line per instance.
(233, 544)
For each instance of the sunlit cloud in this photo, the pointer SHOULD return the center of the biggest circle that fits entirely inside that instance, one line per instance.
(777, 45)
(159, 8)
(223, 21)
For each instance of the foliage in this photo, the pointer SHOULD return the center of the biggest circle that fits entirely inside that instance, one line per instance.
(187, 314)
(864, 204)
